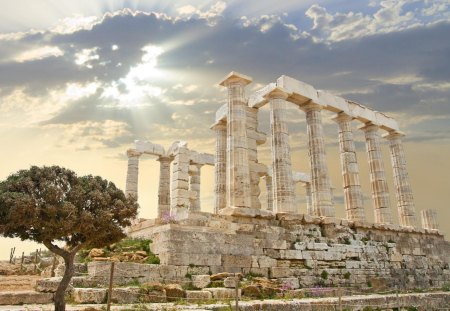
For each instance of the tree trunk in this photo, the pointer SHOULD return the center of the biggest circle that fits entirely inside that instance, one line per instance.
(60, 304)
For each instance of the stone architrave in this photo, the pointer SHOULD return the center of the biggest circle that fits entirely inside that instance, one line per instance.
(164, 186)
(238, 172)
(320, 180)
(429, 219)
(350, 172)
(131, 188)
(194, 186)
(283, 184)
(220, 166)
(269, 190)
(380, 192)
(403, 191)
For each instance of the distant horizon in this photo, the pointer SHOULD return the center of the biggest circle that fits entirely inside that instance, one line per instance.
(79, 82)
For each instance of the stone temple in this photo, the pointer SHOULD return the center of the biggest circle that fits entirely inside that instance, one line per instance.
(279, 242)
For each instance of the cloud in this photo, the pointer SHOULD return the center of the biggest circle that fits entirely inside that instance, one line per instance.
(39, 53)
(157, 74)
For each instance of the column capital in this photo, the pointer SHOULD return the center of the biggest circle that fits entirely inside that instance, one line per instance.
(277, 93)
(165, 158)
(342, 117)
(219, 126)
(368, 127)
(235, 77)
(311, 106)
(393, 135)
(133, 153)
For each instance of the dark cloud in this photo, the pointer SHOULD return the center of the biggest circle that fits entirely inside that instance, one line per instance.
(200, 54)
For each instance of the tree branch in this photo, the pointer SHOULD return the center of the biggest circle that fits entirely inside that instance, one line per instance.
(55, 249)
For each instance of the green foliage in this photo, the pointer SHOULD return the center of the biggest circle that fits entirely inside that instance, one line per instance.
(134, 282)
(411, 308)
(47, 204)
(215, 284)
(446, 287)
(324, 275)
(369, 283)
(347, 240)
(188, 276)
(251, 275)
(391, 241)
(347, 275)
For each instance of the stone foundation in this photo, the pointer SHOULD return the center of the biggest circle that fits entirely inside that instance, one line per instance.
(316, 251)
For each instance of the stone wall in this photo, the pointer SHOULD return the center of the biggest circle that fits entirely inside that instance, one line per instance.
(301, 246)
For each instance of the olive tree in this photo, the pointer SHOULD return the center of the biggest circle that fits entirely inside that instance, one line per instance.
(51, 205)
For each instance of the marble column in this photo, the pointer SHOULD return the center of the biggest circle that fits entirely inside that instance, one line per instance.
(238, 173)
(283, 184)
(320, 179)
(194, 186)
(164, 186)
(403, 191)
(269, 190)
(131, 187)
(429, 219)
(308, 193)
(350, 173)
(252, 145)
(220, 166)
(180, 195)
(380, 192)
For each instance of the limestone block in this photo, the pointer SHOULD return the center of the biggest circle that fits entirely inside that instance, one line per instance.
(317, 246)
(125, 295)
(236, 261)
(174, 292)
(223, 293)
(300, 245)
(201, 281)
(257, 100)
(291, 254)
(292, 283)
(48, 285)
(351, 264)
(281, 272)
(192, 295)
(396, 257)
(24, 297)
(332, 102)
(302, 92)
(264, 262)
(229, 282)
(89, 295)
(149, 147)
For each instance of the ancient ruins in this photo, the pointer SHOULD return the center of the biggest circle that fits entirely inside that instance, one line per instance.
(279, 242)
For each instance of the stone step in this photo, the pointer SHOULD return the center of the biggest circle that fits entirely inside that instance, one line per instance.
(25, 297)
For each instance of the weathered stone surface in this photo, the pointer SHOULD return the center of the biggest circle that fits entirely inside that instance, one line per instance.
(230, 282)
(89, 295)
(125, 295)
(201, 281)
(174, 292)
(192, 295)
(48, 285)
(223, 293)
(25, 297)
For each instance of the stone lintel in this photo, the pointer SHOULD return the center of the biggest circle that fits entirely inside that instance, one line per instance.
(201, 158)
(149, 148)
(276, 92)
(133, 153)
(246, 212)
(235, 77)
(301, 92)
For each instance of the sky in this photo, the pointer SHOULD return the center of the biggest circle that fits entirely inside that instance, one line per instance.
(81, 80)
